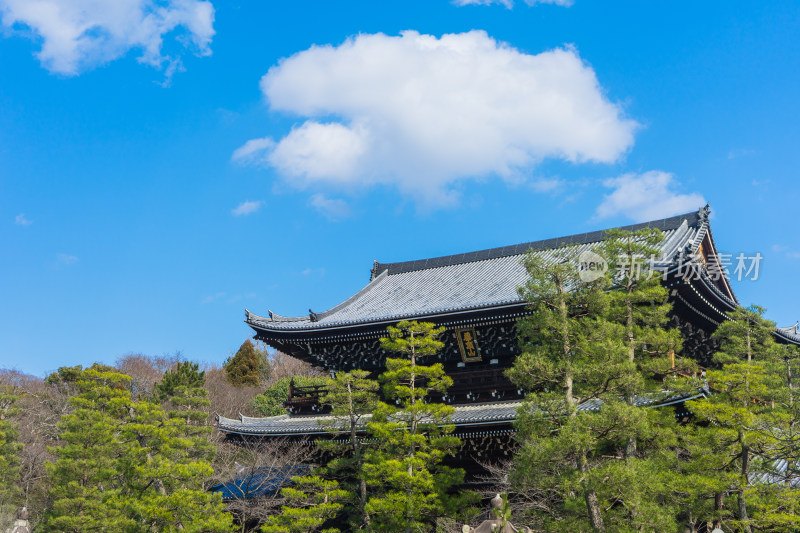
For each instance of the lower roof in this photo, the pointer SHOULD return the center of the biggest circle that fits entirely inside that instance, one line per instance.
(465, 416)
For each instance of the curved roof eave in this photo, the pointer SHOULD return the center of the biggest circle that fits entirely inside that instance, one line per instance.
(790, 334)
(684, 234)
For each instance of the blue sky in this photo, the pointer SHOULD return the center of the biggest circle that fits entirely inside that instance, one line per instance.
(165, 164)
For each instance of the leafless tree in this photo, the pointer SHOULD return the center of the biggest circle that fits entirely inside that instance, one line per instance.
(41, 406)
(524, 497)
(286, 366)
(145, 370)
(258, 469)
(226, 399)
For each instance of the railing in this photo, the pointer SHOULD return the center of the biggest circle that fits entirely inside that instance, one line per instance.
(305, 400)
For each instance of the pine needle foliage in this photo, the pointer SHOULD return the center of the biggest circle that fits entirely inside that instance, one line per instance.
(351, 397)
(183, 395)
(742, 424)
(311, 502)
(408, 486)
(126, 466)
(87, 485)
(577, 420)
(184, 375)
(638, 299)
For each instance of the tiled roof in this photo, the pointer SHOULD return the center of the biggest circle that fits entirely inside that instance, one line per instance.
(465, 415)
(479, 414)
(791, 334)
(779, 472)
(476, 280)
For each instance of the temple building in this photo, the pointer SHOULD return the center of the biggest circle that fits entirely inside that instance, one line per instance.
(474, 296)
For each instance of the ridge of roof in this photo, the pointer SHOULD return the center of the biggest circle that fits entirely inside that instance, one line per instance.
(693, 219)
(383, 272)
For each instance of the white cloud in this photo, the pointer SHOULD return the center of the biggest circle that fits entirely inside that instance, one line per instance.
(741, 152)
(547, 185)
(333, 208)
(77, 35)
(510, 3)
(253, 151)
(785, 250)
(246, 208)
(20, 220)
(219, 296)
(421, 113)
(648, 196)
(213, 297)
(66, 259)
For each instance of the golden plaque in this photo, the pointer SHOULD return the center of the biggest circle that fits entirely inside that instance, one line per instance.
(468, 345)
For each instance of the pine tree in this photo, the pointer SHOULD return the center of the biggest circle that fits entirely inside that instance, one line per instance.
(638, 302)
(248, 367)
(184, 375)
(164, 474)
(351, 396)
(10, 493)
(775, 496)
(125, 466)
(87, 485)
(739, 419)
(408, 485)
(577, 419)
(182, 390)
(312, 501)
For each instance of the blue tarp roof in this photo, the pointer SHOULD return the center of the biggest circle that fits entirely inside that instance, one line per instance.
(260, 481)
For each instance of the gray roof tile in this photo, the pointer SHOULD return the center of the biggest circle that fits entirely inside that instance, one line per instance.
(487, 278)
(464, 416)
(791, 333)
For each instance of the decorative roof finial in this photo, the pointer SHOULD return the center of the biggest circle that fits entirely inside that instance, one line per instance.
(373, 273)
(312, 315)
(704, 212)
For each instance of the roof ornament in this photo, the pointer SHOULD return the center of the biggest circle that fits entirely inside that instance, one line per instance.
(271, 317)
(313, 316)
(373, 273)
(791, 330)
(704, 213)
